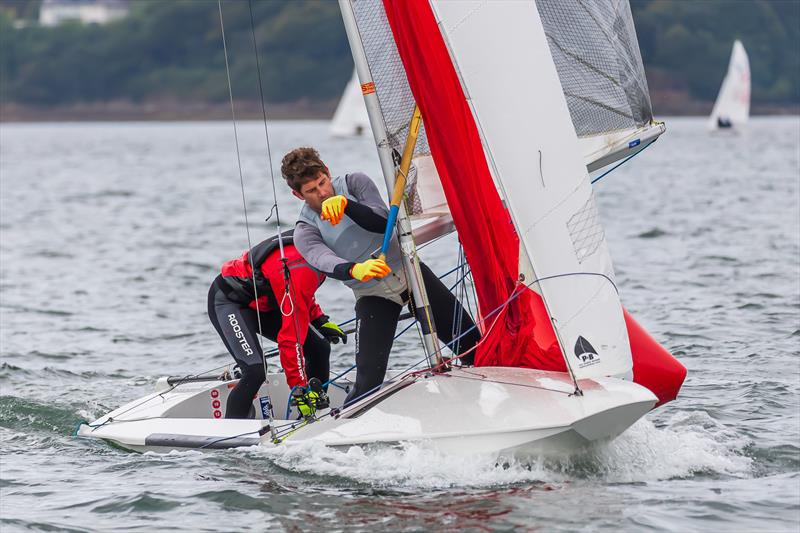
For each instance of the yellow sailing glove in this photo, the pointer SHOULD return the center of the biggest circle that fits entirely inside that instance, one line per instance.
(333, 209)
(369, 269)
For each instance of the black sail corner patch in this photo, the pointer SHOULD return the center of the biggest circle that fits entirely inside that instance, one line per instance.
(585, 353)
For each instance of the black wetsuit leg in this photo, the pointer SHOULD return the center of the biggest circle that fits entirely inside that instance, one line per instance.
(317, 352)
(445, 308)
(237, 325)
(376, 322)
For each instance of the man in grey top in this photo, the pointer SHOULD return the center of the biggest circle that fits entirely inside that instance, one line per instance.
(339, 228)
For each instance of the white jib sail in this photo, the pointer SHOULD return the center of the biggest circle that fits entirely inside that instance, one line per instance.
(733, 102)
(507, 73)
(350, 118)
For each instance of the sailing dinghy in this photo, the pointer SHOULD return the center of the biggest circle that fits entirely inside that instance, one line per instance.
(350, 118)
(732, 108)
(519, 100)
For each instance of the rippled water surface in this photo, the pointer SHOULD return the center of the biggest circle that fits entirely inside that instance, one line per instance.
(111, 234)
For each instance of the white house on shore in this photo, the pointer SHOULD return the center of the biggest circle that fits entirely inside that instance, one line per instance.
(54, 12)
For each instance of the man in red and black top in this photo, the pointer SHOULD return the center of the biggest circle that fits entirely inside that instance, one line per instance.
(235, 307)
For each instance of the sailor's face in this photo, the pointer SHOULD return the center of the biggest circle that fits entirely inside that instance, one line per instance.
(316, 191)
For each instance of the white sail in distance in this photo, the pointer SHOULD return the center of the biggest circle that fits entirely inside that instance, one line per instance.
(350, 118)
(732, 107)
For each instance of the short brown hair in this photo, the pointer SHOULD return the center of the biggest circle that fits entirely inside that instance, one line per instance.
(300, 166)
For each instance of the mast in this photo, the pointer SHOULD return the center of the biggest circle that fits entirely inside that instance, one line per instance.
(422, 311)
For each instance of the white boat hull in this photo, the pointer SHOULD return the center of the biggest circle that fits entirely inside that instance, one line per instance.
(511, 412)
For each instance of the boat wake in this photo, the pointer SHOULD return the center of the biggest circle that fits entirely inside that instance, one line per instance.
(689, 444)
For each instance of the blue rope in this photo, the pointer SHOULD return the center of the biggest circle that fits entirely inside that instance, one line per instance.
(615, 167)
(331, 381)
(289, 402)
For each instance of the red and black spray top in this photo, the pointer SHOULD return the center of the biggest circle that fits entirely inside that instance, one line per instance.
(242, 287)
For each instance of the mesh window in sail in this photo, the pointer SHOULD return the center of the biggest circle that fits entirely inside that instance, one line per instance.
(585, 230)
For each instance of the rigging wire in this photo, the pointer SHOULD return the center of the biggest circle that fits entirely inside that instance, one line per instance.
(266, 132)
(241, 174)
(241, 178)
(458, 310)
(332, 381)
(287, 295)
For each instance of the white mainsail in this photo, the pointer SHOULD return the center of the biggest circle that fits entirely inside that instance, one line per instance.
(350, 118)
(732, 107)
(534, 152)
(596, 53)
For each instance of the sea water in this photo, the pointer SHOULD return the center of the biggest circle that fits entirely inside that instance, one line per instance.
(112, 233)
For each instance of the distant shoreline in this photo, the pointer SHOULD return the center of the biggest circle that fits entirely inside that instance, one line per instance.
(123, 111)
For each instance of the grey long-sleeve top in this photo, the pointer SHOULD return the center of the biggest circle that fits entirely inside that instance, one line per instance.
(365, 207)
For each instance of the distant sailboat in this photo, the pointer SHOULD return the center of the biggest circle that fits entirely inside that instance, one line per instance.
(350, 118)
(732, 108)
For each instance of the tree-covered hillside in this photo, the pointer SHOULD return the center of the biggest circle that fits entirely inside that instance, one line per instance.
(171, 51)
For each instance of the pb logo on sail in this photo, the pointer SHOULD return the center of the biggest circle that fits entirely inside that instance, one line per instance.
(585, 353)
